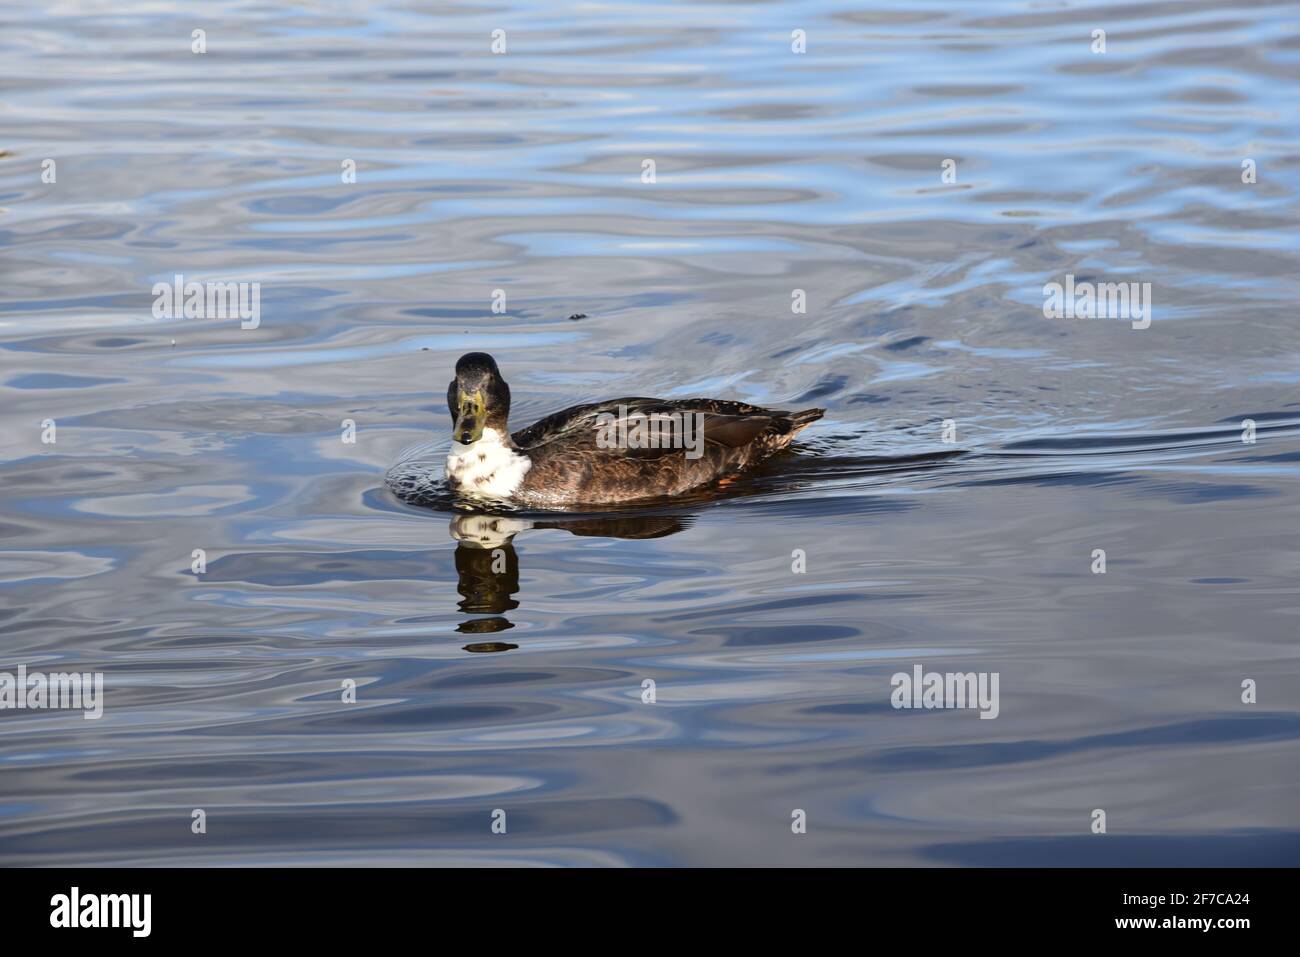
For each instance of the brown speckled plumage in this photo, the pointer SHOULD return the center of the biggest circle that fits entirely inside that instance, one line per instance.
(570, 460)
(570, 467)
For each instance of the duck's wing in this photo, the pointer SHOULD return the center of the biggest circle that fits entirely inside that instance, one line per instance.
(723, 423)
(578, 418)
(573, 460)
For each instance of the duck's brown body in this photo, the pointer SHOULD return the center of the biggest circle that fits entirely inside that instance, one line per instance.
(595, 454)
(573, 462)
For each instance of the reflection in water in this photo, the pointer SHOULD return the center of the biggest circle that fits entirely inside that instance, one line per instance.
(487, 564)
(489, 646)
(488, 569)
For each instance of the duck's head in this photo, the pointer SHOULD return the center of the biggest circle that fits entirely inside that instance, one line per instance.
(478, 399)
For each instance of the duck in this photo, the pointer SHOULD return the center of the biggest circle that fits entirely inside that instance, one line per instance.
(601, 453)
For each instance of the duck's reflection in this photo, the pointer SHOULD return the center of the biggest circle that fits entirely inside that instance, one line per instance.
(488, 566)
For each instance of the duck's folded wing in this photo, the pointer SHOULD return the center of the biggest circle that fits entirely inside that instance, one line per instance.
(567, 423)
(735, 431)
(649, 428)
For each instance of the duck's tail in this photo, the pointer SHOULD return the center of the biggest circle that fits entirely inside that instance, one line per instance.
(789, 424)
(799, 420)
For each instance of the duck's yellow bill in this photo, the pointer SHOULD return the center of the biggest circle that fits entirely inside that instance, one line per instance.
(470, 416)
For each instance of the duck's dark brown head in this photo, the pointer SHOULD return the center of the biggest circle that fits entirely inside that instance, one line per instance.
(478, 398)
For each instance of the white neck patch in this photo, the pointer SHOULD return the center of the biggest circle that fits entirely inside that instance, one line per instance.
(486, 531)
(486, 467)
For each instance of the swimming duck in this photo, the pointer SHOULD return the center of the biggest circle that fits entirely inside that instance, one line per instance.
(603, 452)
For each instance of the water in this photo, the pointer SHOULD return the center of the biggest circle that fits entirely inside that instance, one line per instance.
(521, 689)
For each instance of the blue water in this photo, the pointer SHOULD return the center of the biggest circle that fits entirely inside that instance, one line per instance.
(520, 688)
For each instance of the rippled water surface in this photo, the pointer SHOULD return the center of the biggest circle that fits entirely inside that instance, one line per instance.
(520, 687)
